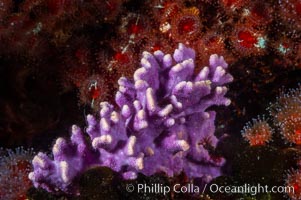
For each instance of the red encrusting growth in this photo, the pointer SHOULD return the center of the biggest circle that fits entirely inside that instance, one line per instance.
(135, 26)
(156, 47)
(260, 13)
(82, 55)
(298, 8)
(233, 4)
(121, 58)
(156, 43)
(291, 13)
(186, 26)
(75, 75)
(122, 62)
(109, 8)
(211, 43)
(170, 9)
(246, 39)
(111, 5)
(5, 7)
(56, 7)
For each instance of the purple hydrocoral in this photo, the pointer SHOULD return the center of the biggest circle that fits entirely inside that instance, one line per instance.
(162, 125)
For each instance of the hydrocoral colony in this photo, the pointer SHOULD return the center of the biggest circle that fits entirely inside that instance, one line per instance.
(162, 125)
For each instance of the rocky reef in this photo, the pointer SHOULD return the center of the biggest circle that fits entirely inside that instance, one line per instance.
(62, 59)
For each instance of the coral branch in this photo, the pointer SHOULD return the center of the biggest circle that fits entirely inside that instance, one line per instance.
(163, 124)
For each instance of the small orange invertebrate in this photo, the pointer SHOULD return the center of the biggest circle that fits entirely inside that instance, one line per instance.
(293, 184)
(257, 132)
(14, 170)
(247, 41)
(186, 25)
(93, 91)
(287, 115)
